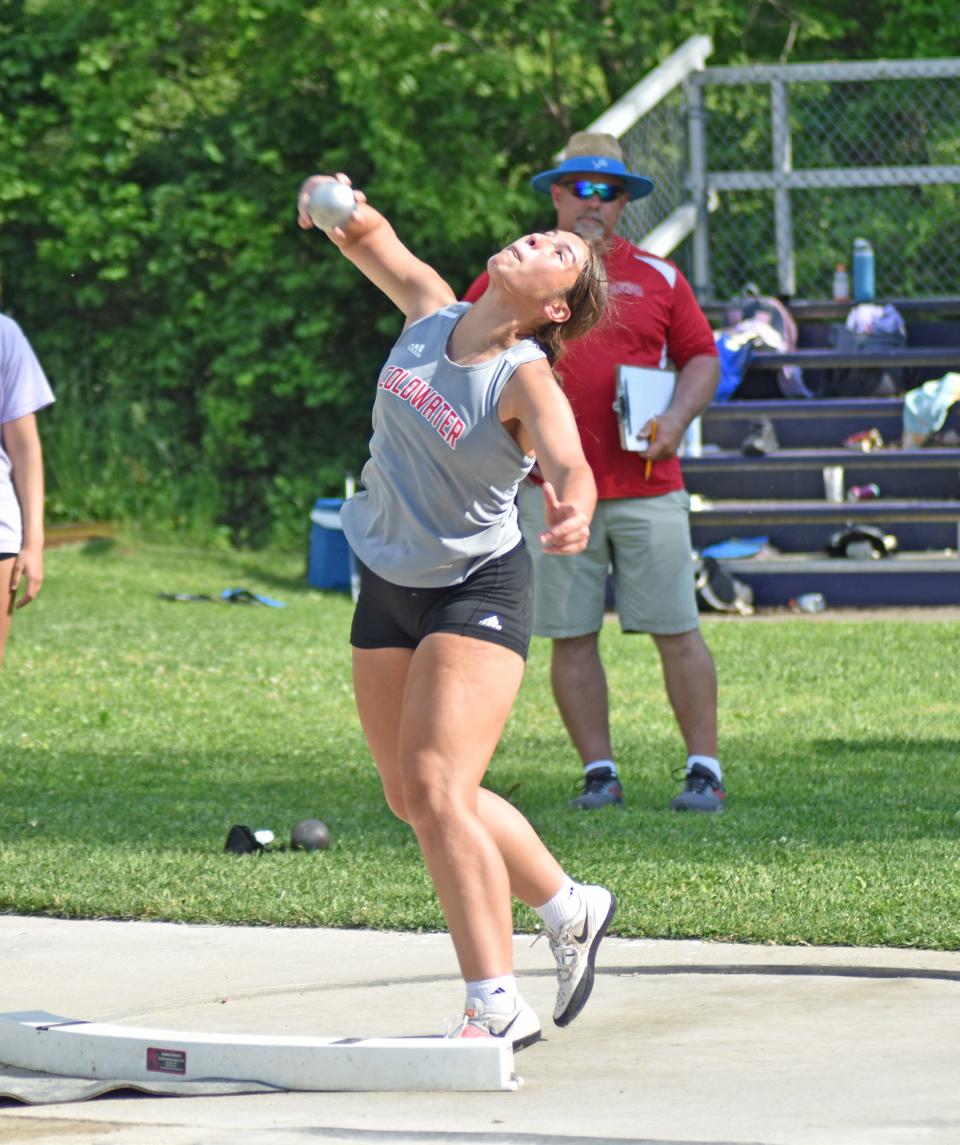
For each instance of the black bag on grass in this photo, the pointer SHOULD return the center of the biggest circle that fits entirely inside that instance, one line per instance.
(242, 841)
(719, 591)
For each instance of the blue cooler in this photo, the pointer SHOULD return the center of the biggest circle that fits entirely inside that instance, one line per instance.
(328, 562)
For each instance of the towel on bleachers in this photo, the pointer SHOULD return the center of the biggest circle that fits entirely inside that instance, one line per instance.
(925, 408)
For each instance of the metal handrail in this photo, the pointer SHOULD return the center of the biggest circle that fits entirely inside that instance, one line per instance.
(690, 57)
(811, 308)
(839, 359)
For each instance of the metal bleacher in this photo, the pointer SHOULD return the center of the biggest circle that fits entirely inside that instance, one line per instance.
(738, 199)
(782, 495)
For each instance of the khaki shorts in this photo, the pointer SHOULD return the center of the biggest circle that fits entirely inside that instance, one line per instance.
(646, 542)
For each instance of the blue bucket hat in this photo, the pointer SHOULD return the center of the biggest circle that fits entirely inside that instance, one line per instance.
(594, 153)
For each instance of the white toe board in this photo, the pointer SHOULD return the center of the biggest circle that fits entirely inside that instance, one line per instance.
(45, 1042)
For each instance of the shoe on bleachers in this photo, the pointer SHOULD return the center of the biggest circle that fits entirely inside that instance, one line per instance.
(761, 439)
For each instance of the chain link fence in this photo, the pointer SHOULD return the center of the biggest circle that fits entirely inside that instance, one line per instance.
(656, 146)
(787, 164)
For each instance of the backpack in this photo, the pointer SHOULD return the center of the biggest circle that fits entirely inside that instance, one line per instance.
(242, 841)
(870, 329)
(758, 322)
(718, 591)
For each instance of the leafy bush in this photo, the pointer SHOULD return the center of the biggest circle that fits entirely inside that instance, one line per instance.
(213, 363)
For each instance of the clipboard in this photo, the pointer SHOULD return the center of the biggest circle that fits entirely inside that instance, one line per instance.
(642, 393)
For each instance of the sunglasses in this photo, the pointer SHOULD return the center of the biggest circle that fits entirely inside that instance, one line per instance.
(584, 189)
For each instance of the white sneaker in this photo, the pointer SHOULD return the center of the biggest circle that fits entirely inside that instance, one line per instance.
(575, 949)
(521, 1026)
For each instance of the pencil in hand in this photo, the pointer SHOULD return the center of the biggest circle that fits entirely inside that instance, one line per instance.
(653, 438)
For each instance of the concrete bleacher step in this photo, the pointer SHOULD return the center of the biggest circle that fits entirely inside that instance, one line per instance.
(906, 579)
(807, 526)
(807, 424)
(798, 474)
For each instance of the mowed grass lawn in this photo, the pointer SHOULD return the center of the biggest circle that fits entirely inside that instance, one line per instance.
(135, 731)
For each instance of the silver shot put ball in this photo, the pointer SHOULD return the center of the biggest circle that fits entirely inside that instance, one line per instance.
(331, 205)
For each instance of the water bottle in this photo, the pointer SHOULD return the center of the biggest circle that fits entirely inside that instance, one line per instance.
(693, 439)
(863, 275)
(841, 283)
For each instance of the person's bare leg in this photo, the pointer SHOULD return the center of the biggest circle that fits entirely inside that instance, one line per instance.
(456, 699)
(580, 690)
(691, 681)
(380, 681)
(535, 875)
(458, 696)
(478, 847)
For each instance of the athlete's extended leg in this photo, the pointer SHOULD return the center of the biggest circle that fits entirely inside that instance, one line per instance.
(457, 696)
(380, 681)
(576, 917)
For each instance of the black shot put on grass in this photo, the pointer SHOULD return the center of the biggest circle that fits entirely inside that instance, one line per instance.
(310, 835)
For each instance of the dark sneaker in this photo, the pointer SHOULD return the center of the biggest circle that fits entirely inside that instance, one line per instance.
(702, 792)
(761, 439)
(601, 788)
(522, 1026)
(575, 951)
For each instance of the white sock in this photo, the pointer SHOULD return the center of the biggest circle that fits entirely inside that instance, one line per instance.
(565, 906)
(706, 761)
(599, 765)
(497, 994)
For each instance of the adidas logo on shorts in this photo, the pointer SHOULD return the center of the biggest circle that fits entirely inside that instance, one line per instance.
(491, 621)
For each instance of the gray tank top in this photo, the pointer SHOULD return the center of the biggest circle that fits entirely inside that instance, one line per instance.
(438, 491)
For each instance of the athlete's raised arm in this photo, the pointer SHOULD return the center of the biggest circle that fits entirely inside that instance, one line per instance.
(369, 241)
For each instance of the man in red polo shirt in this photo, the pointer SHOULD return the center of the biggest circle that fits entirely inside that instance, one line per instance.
(641, 526)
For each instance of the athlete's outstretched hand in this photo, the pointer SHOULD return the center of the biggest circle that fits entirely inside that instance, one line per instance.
(568, 530)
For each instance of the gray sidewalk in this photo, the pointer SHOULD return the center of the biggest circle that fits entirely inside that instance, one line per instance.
(682, 1042)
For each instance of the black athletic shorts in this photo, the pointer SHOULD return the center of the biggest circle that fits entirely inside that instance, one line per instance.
(495, 604)
(7, 556)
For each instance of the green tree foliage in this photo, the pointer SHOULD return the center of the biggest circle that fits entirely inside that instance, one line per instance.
(212, 362)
